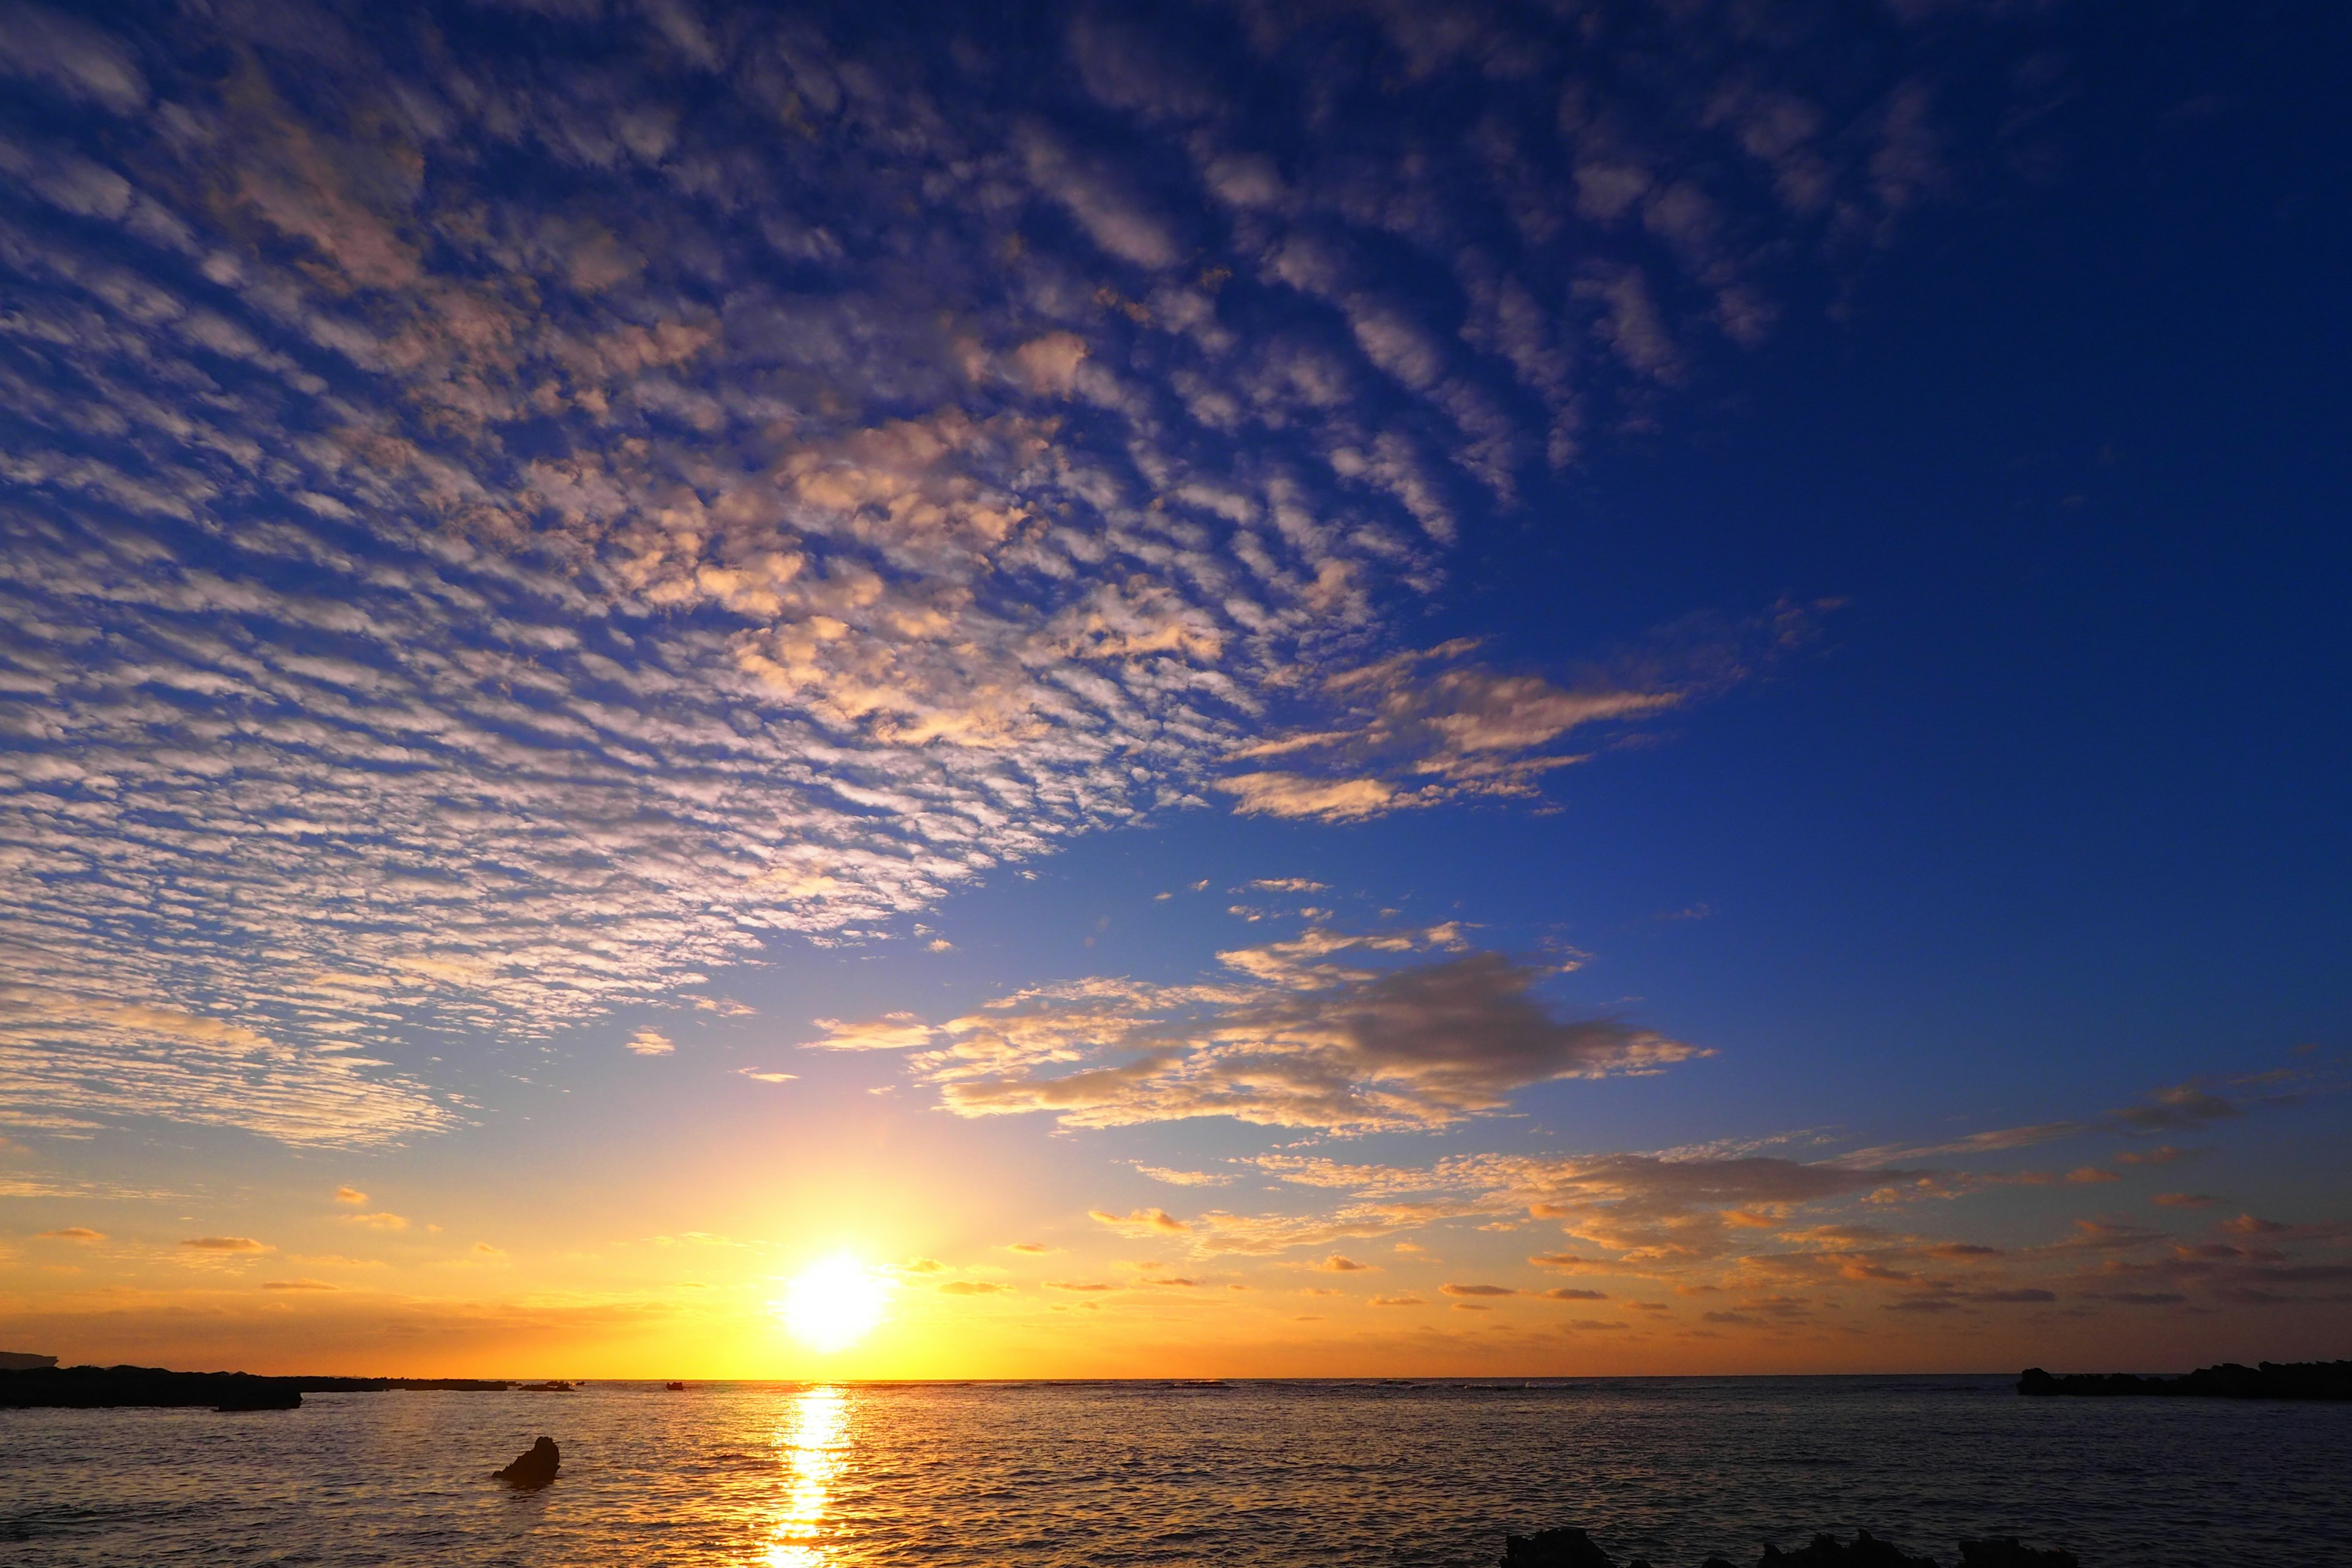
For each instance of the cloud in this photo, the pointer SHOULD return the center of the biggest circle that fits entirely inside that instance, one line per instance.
(1080, 1286)
(651, 1043)
(1141, 1221)
(760, 1075)
(82, 1233)
(485, 1249)
(972, 1288)
(2185, 1200)
(70, 56)
(890, 1032)
(350, 1195)
(488, 545)
(1326, 1030)
(2164, 1154)
(1182, 1178)
(1336, 1264)
(1397, 1301)
(1031, 1248)
(382, 1221)
(297, 1284)
(1477, 1290)
(2183, 1105)
(1422, 728)
(226, 1244)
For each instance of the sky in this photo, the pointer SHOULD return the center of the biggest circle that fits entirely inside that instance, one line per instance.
(1333, 688)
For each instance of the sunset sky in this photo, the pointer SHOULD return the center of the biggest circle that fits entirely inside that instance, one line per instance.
(1340, 687)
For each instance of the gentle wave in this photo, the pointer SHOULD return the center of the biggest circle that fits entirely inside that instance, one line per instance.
(1174, 1473)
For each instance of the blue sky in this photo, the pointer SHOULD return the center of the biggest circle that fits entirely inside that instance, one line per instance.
(1691, 639)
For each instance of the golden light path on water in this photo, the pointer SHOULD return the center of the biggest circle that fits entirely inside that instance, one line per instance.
(813, 1443)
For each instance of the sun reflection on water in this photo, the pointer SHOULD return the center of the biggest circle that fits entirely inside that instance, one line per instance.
(813, 1442)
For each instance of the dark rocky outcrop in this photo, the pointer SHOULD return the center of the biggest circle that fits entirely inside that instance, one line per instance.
(534, 1468)
(2004, 1551)
(258, 1393)
(101, 1387)
(1864, 1551)
(1554, 1549)
(2271, 1380)
(104, 1387)
(25, 1361)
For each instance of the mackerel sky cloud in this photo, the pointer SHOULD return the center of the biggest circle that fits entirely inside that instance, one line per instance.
(1337, 611)
(496, 536)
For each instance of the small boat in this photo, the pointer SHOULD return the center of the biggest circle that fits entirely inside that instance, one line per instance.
(675, 1387)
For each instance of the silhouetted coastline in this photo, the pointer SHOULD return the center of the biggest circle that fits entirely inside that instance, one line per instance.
(107, 1387)
(2269, 1380)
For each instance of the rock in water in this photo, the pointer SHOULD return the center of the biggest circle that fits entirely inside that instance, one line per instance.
(239, 1391)
(1864, 1551)
(2004, 1551)
(1554, 1549)
(534, 1469)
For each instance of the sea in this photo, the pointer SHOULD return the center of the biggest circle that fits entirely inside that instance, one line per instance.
(1102, 1474)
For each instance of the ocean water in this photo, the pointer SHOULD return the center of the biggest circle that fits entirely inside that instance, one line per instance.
(821, 1476)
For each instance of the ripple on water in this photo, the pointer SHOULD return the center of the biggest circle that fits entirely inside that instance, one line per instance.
(1375, 1471)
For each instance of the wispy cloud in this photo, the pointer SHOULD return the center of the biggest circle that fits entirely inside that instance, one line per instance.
(1326, 1030)
(1423, 728)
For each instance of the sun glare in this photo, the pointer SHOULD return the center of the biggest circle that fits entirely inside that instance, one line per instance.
(834, 1303)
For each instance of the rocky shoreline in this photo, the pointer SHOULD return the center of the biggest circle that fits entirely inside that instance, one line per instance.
(110, 1387)
(2269, 1380)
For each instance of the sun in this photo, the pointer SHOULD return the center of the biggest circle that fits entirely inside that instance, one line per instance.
(834, 1303)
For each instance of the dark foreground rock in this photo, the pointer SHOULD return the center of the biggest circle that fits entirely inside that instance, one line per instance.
(1574, 1549)
(1554, 1549)
(535, 1468)
(2271, 1380)
(105, 1387)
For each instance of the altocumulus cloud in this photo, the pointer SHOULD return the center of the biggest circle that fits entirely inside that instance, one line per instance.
(1346, 1033)
(493, 533)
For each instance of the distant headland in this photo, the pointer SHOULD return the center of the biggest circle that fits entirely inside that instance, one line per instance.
(33, 1382)
(2269, 1380)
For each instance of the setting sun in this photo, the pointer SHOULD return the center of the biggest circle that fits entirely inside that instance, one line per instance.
(833, 1304)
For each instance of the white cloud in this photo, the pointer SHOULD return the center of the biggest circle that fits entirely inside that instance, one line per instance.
(890, 1032)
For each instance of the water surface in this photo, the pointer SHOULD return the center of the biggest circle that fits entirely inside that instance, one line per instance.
(796, 1476)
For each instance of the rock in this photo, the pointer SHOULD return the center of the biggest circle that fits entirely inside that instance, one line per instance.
(26, 1361)
(1554, 1549)
(1865, 1550)
(242, 1393)
(2004, 1551)
(535, 1468)
(2271, 1380)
